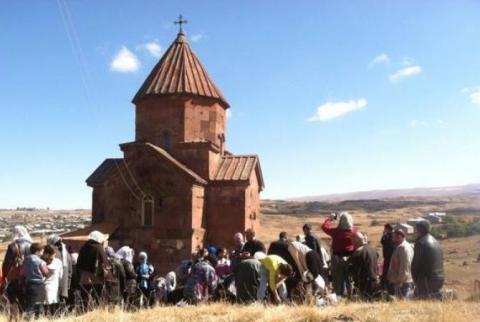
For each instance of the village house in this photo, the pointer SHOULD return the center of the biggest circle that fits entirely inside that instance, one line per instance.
(177, 188)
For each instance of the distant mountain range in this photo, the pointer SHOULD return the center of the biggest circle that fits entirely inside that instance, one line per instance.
(470, 189)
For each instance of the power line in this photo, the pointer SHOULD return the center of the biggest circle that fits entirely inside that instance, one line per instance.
(125, 181)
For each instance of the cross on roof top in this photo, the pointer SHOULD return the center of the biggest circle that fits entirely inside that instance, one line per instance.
(180, 22)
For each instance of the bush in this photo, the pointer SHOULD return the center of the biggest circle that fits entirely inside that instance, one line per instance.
(450, 219)
(456, 229)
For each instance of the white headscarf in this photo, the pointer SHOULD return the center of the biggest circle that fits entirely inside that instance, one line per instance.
(126, 253)
(345, 221)
(20, 234)
(54, 239)
(171, 281)
(97, 236)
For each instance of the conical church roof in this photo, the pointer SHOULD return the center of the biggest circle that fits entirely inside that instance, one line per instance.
(179, 71)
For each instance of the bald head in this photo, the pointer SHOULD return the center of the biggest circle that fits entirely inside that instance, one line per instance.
(358, 239)
(238, 239)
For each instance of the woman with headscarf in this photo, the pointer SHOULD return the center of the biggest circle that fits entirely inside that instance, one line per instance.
(144, 272)
(12, 265)
(64, 256)
(342, 249)
(115, 279)
(164, 286)
(202, 281)
(92, 266)
(126, 254)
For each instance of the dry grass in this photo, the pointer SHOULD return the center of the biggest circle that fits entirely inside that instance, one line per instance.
(391, 312)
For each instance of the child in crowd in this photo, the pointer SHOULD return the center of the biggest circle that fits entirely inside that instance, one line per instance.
(223, 264)
(35, 272)
(53, 278)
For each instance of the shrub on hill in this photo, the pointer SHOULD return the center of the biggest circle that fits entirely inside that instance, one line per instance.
(456, 228)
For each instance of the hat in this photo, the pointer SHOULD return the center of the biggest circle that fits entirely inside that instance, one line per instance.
(212, 250)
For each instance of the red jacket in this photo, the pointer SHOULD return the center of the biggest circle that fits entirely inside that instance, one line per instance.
(341, 239)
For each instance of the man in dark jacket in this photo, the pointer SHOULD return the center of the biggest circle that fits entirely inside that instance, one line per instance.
(280, 248)
(311, 240)
(253, 245)
(364, 266)
(427, 263)
(388, 246)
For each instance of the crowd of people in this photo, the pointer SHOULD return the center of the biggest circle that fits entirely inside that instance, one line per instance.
(45, 279)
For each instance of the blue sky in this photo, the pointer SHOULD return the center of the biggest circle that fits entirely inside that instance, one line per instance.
(334, 96)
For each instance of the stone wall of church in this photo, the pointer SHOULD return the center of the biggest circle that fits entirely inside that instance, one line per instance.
(178, 223)
(252, 204)
(201, 157)
(187, 119)
(225, 213)
(156, 117)
(204, 120)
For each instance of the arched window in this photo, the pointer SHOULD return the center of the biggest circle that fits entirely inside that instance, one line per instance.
(148, 207)
(167, 140)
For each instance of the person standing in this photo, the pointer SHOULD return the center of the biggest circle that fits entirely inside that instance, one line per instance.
(236, 254)
(252, 245)
(364, 266)
(126, 254)
(67, 264)
(115, 280)
(12, 267)
(427, 264)
(388, 246)
(92, 266)
(144, 272)
(342, 249)
(35, 272)
(311, 240)
(399, 272)
(280, 248)
(53, 279)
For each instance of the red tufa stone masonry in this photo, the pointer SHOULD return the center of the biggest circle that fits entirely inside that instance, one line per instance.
(176, 188)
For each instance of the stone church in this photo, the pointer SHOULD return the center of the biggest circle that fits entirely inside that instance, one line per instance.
(177, 188)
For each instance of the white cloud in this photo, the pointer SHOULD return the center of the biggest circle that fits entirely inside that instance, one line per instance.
(405, 72)
(229, 114)
(125, 61)
(197, 37)
(473, 94)
(331, 110)
(153, 48)
(380, 59)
